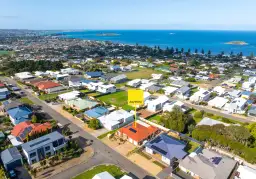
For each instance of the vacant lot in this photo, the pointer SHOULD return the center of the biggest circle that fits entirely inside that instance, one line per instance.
(118, 99)
(51, 96)
(144, 73)
(112, 169)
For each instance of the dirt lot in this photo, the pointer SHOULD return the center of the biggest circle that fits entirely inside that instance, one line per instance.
(125, 148)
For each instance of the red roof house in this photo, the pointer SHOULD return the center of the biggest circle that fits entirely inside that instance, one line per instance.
(49, 86)
(23, 129)
(138, 133)
(2, 85)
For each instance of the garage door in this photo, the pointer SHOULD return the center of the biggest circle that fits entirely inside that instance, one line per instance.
(14, 164)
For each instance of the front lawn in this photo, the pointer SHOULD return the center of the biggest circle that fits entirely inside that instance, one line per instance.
(144, 73)
(112, 169)
(26, 101)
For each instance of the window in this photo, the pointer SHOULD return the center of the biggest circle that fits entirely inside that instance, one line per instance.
(33, 161)
(55, 143)
(60, 141)
(32, 154)
(47, 148)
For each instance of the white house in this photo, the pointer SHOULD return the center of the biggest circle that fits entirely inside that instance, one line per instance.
(248, 86)
(42, 147)
(218, 102)
(201, 95)
(219, 90)
(40, 73)
(110, 88)
(183, 92)
(24, 75)
(174, 78)
(157, 76)
(69, 96)
(146, 96)
(116, 119)
(157, 104)
(93, 86)
(168, 90)
(146, 85)
(169, 106)
(134, 83)
(236, 106)
(70, 71)
(245, 172)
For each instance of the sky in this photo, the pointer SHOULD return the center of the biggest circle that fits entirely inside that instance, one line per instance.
(128, 14)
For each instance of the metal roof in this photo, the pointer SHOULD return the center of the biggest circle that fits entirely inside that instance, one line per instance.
(41, 141)
(10, 154)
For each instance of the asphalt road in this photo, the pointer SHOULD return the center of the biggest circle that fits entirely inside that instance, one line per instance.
(103, 153)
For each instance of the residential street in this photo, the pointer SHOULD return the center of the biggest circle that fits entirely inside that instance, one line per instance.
(103, 153)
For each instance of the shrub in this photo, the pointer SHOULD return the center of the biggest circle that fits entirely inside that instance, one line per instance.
(198, 114)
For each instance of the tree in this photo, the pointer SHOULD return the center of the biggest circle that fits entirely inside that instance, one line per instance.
(238, 133)
(94, 124)
(34, 119)
(191, 127)
(175, 120)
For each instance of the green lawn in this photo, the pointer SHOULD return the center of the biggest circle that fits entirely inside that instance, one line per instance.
(156, 119)
(3, 52)
(112, 169)
(119, 85)
(118, 99)
(51, 96)
(26, 101)
(191, 146)
(84, 90)
(141, 73)
(93, 94)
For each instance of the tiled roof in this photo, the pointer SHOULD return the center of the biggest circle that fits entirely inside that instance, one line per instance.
(23, 129)
(47, 85)
(140, 132)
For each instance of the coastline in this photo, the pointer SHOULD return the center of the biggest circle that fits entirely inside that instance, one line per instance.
(216, 41)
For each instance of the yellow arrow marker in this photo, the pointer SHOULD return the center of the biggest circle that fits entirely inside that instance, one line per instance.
(135, 99)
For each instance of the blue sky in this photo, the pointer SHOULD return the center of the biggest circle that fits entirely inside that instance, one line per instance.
(129, 14)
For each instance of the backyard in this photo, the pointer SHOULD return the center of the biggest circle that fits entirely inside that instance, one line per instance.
(191, 146)
(144, 73)
(112, 169)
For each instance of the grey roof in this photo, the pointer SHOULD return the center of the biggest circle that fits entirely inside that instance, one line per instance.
(108, 76)
(252, 110)
(12, 104)
(119, 77)
(168, 147)
(41, 141)
(183, 89)
(154, 88)
(10, 154)
(209, 165)
(180, 83)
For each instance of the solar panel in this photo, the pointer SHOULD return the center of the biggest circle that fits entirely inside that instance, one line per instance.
(156, 140)
(216, 160)
(29, 128)
(159, 150)
(32, 145)
(133, 130)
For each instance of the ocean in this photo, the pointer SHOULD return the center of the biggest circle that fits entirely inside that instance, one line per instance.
(193, 39)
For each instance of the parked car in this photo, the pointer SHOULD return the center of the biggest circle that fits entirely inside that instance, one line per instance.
(12, 173)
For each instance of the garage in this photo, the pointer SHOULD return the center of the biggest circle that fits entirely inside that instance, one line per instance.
(13, 164)
(11, 158)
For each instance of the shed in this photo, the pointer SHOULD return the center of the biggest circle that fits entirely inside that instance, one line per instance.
(11, 158)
